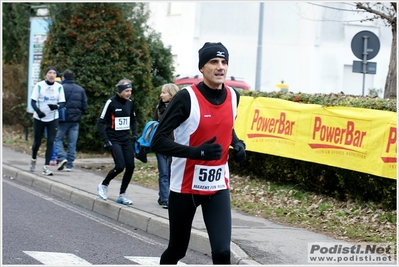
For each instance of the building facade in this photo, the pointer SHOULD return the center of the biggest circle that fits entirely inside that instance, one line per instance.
(305, 44)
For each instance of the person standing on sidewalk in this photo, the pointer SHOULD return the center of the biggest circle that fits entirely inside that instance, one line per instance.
(116, 124)
(164, 161)
(54, 160)
(202, 117)
(47, 97)
(76, 104)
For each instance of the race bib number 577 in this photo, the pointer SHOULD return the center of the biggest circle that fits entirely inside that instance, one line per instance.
(122, 123)
(209, 178)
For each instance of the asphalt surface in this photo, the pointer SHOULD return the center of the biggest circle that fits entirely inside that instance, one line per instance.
(254, 240)
(55, 226)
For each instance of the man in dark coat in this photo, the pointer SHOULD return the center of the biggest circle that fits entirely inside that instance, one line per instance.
(76, 104)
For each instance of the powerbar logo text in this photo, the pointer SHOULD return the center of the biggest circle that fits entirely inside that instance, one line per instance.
(348, 136)
(347, 253)
(272, 125)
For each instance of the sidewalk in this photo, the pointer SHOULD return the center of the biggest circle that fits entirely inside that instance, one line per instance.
(254, 240)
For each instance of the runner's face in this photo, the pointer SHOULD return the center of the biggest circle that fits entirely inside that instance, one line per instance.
(126, 94)
(50, 75)
(215, 71)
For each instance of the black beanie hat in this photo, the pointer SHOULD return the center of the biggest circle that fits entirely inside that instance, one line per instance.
(51, 68)
(211, 50)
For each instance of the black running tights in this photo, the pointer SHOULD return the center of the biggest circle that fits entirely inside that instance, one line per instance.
(217, 217)
(123, 155)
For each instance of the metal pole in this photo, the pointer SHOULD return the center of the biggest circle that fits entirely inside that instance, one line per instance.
(27, 82)
(259, 53)
(365, 39)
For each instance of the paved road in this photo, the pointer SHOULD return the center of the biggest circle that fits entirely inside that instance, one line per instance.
(42, 224)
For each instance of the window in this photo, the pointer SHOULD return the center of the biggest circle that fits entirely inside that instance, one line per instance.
(174, 8)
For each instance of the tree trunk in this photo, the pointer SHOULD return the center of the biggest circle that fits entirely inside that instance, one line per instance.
(391, 83)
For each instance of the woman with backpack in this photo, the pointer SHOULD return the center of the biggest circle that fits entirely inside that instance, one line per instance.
(164, 161)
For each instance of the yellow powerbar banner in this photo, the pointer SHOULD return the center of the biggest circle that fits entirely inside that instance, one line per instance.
(357, 139)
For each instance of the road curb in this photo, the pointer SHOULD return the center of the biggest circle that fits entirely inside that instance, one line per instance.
(137, 218)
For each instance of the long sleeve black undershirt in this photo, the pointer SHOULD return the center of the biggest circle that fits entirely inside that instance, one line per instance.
(177, 112)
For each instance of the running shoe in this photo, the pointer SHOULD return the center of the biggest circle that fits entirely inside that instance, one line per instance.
(62, 164)
(122, 199)
(164, 204)
(32, 165)
(68, 169)
(46, 170)
(102, 191)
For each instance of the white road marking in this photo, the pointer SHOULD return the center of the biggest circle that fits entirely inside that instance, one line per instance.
(57, 259)
(68, 259)
(148, 260)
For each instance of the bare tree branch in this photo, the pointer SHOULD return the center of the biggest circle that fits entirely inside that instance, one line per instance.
(337, 8)
(366, 7)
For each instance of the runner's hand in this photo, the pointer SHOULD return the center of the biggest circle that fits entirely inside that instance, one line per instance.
(41, 114)
(52, 106)
(207, 150)
(108, 145)
(239, 152)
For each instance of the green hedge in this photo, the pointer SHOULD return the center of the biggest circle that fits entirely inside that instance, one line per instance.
(330, 99)
(322, 179)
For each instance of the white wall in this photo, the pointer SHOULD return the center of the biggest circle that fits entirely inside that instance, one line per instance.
(306, 45)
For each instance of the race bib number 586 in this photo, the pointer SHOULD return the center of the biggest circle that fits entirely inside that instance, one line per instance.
(209, 178)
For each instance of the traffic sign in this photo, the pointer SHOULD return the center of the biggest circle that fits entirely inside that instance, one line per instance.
(372, 45)
(371, 67)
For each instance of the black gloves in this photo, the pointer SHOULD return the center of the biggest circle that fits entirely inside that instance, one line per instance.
(108, 145)
(40, 113)
(207, 151)
(239, 151)
(52, 106)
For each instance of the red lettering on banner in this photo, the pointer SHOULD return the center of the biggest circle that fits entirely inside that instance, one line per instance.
(278, 125)
(391, 139)
(347, 136)
(391, 142)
